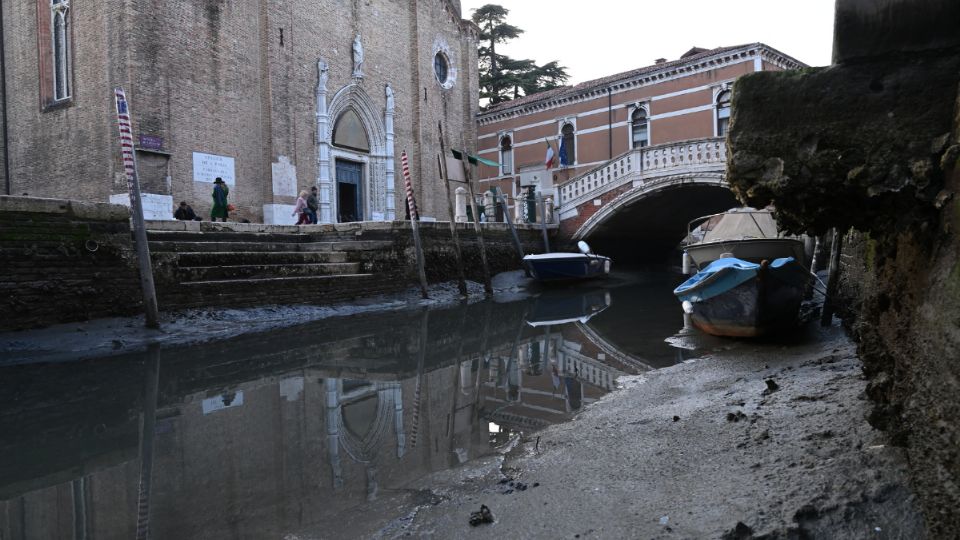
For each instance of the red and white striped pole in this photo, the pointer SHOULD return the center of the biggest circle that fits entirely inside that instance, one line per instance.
(415, 225)
(136, 209)
(411, 201)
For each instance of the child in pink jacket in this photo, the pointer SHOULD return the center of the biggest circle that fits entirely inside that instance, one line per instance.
(301, 208)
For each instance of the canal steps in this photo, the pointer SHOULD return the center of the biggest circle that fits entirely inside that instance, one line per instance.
(248, 268)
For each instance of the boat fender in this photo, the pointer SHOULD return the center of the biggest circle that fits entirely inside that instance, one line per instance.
(687, 264)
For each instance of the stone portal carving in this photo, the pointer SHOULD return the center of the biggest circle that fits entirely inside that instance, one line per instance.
(357, 58)
(324, 74)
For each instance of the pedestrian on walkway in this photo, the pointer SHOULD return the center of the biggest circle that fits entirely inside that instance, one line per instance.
(301, 209)
(313, 204)
(220, 193)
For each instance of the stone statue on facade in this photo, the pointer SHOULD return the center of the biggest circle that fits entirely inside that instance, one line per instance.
(390, 102)
(357, 58)
(323, 71)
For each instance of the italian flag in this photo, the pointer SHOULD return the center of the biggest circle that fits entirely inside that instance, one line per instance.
(550, 155)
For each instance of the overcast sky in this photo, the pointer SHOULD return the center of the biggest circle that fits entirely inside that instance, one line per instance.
(595, 38)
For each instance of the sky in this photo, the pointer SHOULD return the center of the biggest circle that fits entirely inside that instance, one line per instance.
(596, 38)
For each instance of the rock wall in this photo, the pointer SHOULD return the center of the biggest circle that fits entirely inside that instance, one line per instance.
(65, 261)
(870, 146)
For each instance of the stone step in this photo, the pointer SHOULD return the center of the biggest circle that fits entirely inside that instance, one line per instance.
(182, 246)
(246, 272)
(239, 258)
(226, 236)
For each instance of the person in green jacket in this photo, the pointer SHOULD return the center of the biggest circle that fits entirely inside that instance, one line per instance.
(220, 192)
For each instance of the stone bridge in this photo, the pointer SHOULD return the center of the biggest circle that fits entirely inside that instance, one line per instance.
(638, 204)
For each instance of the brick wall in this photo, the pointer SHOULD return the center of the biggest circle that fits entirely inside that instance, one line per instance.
(64, 261)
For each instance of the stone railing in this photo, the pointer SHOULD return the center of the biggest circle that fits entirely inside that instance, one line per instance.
(643, 164)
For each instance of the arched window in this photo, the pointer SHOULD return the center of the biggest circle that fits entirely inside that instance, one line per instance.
(60, 37)
(506, 155)
(639, 133)
(348, 132)
(723, 112)
(568, 149)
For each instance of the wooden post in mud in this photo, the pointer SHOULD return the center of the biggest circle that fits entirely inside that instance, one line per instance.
(441, 162)
(487, 284)
(836, 246)
(415, 223)
(513, 231)
(543, 222)
(808, 294)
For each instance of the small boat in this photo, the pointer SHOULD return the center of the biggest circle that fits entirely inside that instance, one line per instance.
(550, 267)
(738, 298)
(556, 307)
(744, 233)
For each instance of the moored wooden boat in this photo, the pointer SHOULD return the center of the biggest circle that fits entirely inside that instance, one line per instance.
(743, 233)
(738, 298)
(553, 267)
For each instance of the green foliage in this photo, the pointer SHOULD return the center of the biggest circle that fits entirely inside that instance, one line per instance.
(503, 78)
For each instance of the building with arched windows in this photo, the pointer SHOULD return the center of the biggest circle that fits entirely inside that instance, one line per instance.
(273, 97)
(593, 122)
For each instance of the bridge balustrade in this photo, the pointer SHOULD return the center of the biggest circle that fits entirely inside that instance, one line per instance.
(644, 166)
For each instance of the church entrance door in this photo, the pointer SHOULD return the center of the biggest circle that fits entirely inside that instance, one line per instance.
(349, 191)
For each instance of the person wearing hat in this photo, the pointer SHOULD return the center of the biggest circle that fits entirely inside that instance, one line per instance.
(220, 192)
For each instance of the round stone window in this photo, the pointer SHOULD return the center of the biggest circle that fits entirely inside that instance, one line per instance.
(441, 67)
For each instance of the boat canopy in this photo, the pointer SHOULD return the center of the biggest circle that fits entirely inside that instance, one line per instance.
(742, 224)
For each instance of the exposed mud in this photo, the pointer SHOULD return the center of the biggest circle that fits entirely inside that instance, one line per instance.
(757, 440)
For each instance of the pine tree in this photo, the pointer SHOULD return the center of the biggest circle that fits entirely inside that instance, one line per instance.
(503, 78)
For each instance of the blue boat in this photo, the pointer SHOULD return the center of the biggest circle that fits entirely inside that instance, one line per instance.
(738, 298)
(552, 267)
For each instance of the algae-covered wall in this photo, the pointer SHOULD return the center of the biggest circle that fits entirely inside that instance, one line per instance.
(870, 146)
(65, 261)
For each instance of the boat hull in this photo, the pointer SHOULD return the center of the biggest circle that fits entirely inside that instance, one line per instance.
(557, 267)
(737, 304)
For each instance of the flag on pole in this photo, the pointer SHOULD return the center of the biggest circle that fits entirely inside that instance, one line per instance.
(548, 161)
(563, 153)
(411, 202)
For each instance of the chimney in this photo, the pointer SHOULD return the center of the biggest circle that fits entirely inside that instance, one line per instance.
(660, 61)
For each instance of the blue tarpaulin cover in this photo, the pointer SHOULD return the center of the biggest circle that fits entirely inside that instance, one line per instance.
(721, 276)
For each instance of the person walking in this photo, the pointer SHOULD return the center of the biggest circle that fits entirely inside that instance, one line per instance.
(301, 209)
(313, 204)
(220, 193)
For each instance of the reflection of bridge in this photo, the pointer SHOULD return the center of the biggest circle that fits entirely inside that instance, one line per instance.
(647, 194)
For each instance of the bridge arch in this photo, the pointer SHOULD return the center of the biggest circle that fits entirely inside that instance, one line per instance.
(637, 205)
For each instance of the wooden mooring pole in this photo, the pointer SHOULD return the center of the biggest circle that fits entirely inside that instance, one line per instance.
(415, 224)
(442, 163)
(136, 209)
(501, 198)
(836, 246)
(487, 284)
(541, 208)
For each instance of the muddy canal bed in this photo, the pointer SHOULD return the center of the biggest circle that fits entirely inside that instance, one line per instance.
(581, 412)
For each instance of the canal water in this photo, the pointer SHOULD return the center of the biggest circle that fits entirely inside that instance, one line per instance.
(310, 428)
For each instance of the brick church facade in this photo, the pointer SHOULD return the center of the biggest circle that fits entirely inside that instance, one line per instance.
(274, 96)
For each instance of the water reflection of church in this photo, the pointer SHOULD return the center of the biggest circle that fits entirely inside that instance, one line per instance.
(299, 440)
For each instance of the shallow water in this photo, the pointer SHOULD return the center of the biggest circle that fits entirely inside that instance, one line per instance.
(311, 427)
